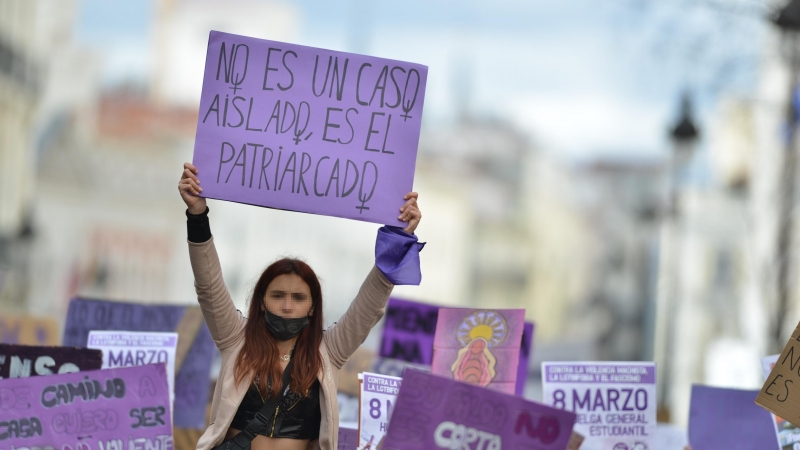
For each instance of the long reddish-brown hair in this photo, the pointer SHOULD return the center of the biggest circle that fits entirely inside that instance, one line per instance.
(259, 355)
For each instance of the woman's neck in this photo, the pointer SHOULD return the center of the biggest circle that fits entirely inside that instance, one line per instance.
(286, 347)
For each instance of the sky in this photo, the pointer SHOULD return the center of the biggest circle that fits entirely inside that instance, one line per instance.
(584, 79)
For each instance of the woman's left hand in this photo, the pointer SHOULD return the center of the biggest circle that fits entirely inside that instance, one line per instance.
(410, 212)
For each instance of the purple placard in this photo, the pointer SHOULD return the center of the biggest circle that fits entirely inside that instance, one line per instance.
(98, 409)
(348, 438)
(191, 381)
(435, 412)
(408, 331)
(729, 418)
(525, 349)
(479, 346)
(307, 129)
(599, 373)
(20, 361)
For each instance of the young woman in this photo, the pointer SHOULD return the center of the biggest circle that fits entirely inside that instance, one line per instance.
(284, 328)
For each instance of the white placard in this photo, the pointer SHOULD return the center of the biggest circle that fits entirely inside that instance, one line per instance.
(137, 348)
(377, 395)
(788, 434)
(615, 401)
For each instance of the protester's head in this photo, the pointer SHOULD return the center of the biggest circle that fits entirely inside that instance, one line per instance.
(288, 288)
(286, 302)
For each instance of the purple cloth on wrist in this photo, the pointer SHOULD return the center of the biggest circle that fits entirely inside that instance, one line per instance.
(397, 255)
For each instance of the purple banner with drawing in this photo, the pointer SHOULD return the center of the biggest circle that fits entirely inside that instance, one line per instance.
(615, 401)
(525, 350)
(95, 410)
(408, 331)
(306, 129)
(479, 346)
(191, 378)
(436, 412)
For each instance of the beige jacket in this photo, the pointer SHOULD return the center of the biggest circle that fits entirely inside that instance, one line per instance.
(226, 325)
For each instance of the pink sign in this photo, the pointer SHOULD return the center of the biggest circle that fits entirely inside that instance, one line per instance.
(306, 129)
(434, 412)
(479, 346)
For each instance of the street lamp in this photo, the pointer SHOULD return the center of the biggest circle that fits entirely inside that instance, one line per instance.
(788, 21)
(684, 136)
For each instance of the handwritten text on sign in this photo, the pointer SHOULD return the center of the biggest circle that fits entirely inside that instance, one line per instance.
(779, 394)
(95, 410)
(21, 361)
(434, 412)
(307, 129)
(408, 331)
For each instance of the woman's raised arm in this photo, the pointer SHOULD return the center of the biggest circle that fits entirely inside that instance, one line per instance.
(223, 320)
(396, 263)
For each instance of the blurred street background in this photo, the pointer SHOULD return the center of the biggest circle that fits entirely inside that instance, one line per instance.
(622, 169)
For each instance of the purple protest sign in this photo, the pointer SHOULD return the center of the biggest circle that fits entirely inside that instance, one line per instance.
(729, 418)
(524, 356)
(479, 346)
(348, 438)
(98, 409)
(306, 129)
(408, 331)
(192, 377)
(435, 412)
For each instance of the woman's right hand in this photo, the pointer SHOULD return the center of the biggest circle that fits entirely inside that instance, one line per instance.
(190, 190)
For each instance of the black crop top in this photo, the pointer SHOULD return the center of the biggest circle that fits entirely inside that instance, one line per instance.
(298, 417)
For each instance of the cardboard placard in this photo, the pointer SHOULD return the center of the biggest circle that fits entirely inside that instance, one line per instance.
(525, 351)
(191, 378)
(408, 331)
(21, 361)
(395, 367)
(436, 412)
(28, 330)
(575, 441)
(781, 392)
(722, 418)
(360, 361)
(787, 434)
(615, 401)
(479, 346)
(95, 410)
(378, 394)
(307, 129)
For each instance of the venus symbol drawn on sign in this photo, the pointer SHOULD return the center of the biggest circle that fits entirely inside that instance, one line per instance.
(478, 332)
(408, 105)
(229, 62)
(362, 196)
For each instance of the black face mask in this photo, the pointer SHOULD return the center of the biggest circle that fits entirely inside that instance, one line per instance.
(284, 329)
